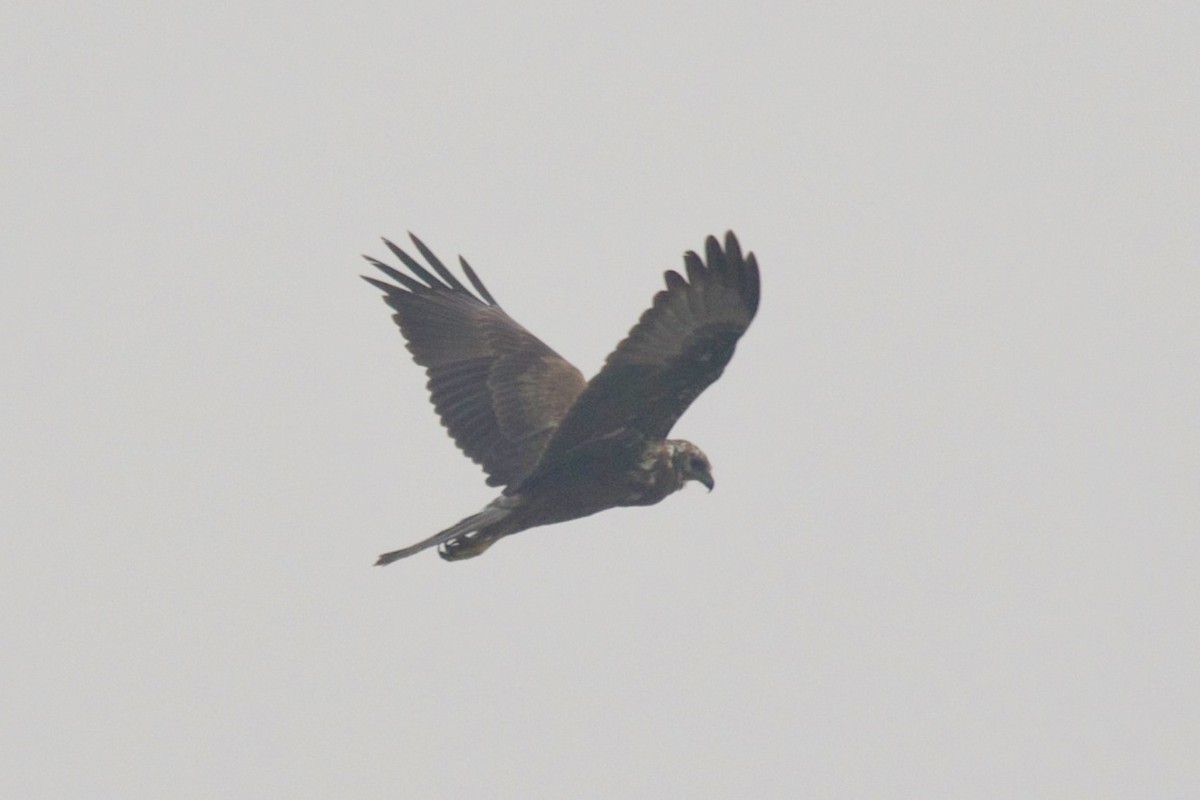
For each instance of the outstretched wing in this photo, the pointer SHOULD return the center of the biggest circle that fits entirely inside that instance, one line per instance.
(678, 347)
(499, 390)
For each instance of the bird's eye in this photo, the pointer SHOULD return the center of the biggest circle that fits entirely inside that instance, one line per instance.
(697, 465)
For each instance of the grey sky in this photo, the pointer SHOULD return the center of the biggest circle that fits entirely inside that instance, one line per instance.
(954, 543)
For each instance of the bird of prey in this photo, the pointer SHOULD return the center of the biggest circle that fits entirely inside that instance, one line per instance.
(564, 447)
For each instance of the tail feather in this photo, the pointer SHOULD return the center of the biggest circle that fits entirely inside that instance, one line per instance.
(460, 531)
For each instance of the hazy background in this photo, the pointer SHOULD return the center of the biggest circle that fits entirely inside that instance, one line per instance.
(955, 540)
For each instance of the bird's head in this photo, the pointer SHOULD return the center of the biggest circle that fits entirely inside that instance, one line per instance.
(691, 464)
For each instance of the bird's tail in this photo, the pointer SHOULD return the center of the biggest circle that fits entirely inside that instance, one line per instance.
(464, 539)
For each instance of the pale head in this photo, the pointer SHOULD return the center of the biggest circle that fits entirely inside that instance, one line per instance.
(690, 463)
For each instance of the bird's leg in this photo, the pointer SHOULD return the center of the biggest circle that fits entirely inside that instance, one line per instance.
(467, 546)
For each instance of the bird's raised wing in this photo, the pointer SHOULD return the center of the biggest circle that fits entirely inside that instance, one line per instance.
(678, 347)
(499, 390)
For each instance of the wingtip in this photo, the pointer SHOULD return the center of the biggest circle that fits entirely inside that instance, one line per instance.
(476, 282)
(395, 248)
(733, 249)
(712, 246)
(715, 257)
(694, 266)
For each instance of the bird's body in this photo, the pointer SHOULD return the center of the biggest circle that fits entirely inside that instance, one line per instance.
(566, 448)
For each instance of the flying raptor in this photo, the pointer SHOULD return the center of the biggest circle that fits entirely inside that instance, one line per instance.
(564, 447)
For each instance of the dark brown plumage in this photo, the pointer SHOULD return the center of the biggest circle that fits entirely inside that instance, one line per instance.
(565, 447)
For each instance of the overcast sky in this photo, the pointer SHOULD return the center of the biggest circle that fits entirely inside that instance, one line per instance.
(954, 545)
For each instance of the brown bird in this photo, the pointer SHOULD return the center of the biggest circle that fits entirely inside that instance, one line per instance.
(564, 447)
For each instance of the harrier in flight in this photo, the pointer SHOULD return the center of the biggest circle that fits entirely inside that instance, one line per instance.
(565, 447)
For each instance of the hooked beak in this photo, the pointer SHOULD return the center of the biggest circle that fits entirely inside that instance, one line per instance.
(707, 480)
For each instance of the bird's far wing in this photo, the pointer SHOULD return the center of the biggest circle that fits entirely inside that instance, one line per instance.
(499, 390)
(678, 347)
